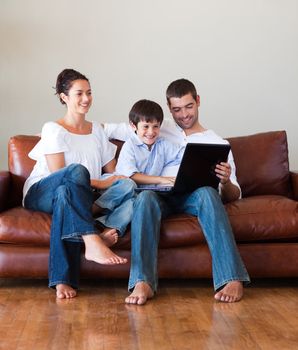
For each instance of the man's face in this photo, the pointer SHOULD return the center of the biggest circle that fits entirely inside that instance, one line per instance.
(185, 110)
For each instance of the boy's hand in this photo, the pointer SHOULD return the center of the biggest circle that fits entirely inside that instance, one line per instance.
(167, 180)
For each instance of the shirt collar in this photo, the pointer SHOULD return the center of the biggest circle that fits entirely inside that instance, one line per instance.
(136, 141)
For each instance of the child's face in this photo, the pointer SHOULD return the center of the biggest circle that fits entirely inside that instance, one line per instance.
(147, 131)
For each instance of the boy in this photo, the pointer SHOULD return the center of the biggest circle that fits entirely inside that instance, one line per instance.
(143, 158)
(145, 155)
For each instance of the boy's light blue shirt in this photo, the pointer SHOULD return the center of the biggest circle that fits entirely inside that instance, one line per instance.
(135, 156)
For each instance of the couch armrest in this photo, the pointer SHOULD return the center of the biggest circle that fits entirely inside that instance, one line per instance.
(294, 182)
(5, 183)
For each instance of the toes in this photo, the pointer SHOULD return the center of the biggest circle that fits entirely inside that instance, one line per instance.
(65, 292)
(141, 300)
(131, 300)
(117, 260)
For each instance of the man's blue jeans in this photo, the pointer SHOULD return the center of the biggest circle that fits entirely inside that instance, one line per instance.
(204, 203)
(118, 203)
(67, 195)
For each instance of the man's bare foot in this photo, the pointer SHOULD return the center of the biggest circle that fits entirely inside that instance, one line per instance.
(109, 236)
(97, 251)
(64, 291)
(232, 292)
(141, 293)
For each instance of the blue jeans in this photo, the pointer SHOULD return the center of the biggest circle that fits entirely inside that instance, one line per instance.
(204, 203)
(118, 202)
(67, 195)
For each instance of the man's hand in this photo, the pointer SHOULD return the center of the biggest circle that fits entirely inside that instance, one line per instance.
(223, 172)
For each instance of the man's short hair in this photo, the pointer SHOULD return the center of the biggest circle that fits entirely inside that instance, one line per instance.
(179, 88)
(145, 110)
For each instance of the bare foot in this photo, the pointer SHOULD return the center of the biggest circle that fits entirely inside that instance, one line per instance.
(232, 292)
(141, 293)
(109, 236)
(97, 251)
(64, 291)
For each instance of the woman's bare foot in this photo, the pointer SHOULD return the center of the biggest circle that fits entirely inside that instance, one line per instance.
(232, 292)
(109, 236)
(141, 293)
(64, 291)
(97, 251)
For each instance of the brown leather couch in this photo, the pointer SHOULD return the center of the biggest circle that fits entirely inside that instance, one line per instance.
(264, 221)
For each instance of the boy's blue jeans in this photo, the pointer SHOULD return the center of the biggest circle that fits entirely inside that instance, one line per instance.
(118, 203)
(204, 203)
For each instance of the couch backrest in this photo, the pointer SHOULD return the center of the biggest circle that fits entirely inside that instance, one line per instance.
(19, 164)
(261, 162)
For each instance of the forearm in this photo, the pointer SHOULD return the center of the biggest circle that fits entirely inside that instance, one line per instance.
(105, 183)
(99, 184)
(144, 179)
(229, 192)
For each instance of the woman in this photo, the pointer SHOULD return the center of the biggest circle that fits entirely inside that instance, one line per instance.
(71, 151)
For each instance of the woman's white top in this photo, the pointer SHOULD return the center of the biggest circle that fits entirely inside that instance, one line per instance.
(92, 150)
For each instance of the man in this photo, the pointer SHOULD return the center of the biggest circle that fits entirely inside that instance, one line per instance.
(229, 272)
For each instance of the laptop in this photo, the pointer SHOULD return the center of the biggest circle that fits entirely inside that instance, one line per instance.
(197, 168)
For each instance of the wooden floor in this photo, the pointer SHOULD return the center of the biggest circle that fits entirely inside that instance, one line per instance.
(182, 316)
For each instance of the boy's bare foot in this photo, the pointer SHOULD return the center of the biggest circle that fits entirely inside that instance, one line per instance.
(64, 291)
(141, 293)
(109, 236)
(97, 251)
(232, 292)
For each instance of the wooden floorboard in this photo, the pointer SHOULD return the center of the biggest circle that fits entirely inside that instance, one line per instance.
(183, 315)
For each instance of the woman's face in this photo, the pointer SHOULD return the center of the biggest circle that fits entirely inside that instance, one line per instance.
(79, 98)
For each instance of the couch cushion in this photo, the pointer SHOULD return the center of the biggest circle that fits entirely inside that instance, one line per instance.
(264, 218)
(26, 227)
(262, 163)
(20, 165)
(23, 226)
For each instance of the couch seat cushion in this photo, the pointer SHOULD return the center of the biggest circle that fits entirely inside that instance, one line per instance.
(264, 218)
(27, 227)
(180, 230)
(22, 226)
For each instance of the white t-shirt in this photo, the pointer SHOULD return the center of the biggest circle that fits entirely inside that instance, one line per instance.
(174, 133)
(93, 151)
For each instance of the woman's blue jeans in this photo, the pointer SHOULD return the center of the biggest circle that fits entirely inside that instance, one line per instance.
(204, 203)
(67, 195)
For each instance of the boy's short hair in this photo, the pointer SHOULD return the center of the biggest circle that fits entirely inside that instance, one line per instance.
(179, 88)
(145, 110)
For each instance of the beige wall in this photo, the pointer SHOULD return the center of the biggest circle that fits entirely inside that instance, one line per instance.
(242, 55)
